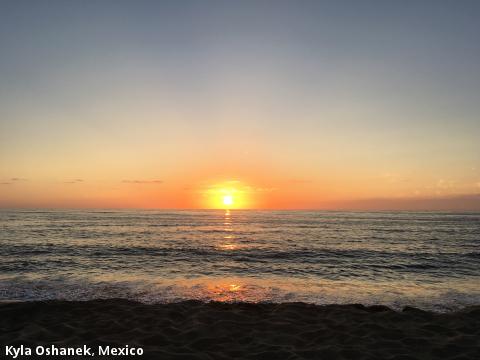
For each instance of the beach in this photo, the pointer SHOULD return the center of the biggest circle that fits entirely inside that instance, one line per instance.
(218, 330)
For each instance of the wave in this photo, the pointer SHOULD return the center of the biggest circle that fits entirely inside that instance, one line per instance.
(207, 289)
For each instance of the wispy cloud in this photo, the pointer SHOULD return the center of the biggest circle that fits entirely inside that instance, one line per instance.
(142, 181)
(445, 184)
(463, 202)
(12, 180)
(74, 181)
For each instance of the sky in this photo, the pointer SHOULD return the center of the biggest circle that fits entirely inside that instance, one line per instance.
(278, 104)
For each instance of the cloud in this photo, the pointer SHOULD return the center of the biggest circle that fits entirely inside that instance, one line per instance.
(12, 180)
(142, 181)
(465, 202)
(74, 181)
(445, 184)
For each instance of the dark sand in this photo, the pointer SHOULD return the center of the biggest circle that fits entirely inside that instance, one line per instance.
(195, 330)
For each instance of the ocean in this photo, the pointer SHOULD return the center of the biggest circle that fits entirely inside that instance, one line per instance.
(428, 260)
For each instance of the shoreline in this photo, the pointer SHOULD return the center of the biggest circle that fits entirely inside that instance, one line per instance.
(215, 330)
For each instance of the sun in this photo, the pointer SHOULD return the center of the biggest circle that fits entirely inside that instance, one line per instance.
(227, 195)
(227, 200)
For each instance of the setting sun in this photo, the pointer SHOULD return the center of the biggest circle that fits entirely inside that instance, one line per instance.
(228, 200)
(230, 194)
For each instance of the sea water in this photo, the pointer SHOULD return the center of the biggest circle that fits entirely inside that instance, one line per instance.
(424, 259)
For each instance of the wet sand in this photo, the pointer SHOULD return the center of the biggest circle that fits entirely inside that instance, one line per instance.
(195, 330)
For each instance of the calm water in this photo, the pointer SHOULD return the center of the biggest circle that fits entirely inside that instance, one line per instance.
(429, 260)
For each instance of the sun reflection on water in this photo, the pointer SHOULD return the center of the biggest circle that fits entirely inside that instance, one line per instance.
(228, 292)
(235, 287)
(228, 247)
(228, 243)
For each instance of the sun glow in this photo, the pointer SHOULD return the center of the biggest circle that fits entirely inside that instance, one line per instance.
(231, 194)
(227, 200)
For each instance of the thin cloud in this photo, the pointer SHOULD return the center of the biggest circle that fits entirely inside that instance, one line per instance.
(74, 181)
(12, 181)
(142, 181)
(445, 184)
(464, 202)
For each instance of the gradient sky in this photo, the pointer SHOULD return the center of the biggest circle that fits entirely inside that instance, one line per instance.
(292, 104)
